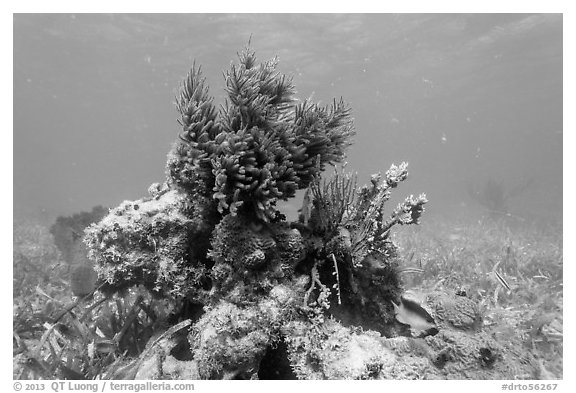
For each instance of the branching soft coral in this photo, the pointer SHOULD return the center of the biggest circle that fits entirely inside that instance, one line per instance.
(352, 241)
(339, 209)
(259, 147)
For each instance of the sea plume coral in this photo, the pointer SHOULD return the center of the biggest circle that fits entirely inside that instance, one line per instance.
(260, 147)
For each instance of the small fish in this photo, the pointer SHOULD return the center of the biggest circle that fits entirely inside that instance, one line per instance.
(502, 281)
(412, 314)
(411, 270)
(498, 277)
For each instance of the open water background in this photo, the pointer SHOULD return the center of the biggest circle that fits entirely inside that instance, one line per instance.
(462, 98)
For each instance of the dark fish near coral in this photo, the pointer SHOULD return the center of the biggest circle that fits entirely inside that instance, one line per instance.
(411, 313)
(83, 280)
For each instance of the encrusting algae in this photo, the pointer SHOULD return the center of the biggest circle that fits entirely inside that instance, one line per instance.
(322, 294)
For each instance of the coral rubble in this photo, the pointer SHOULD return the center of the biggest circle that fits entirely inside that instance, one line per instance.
(316, 294)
